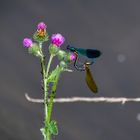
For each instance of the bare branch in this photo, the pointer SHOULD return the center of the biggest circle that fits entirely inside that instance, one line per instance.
(121, 100)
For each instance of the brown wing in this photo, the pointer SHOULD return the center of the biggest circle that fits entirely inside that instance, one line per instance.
(89, 80)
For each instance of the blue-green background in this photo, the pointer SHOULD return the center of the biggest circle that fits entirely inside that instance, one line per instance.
(112, 26)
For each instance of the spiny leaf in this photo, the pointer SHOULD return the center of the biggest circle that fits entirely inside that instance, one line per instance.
(54, 75)
(53, 128)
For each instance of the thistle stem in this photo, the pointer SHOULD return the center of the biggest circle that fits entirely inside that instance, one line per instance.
(45, 88)
(46, 85)
(48, 105)
(49, 63)
(43, 71)
(46, 98)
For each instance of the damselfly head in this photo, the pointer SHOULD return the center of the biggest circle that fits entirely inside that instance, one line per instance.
(71, 48)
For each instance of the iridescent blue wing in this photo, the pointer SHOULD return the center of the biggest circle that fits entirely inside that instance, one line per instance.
(89, 80)
(90, 53)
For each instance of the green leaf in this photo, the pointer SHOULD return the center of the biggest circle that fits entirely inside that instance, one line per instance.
(53, 128)
(54, 75)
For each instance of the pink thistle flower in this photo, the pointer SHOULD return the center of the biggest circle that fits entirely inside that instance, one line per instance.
(72, 56)
(41, 26)
(57, 39)
(27, 43)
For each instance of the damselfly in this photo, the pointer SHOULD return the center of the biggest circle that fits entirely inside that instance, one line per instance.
(91, 54)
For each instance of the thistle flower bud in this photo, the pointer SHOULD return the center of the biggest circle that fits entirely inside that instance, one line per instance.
(57, 39)
(27, 43)
(41, 26)
(72, 56)
(53, 49)
(69, 57)
(35, 50)
(41, 35)
(61, 55)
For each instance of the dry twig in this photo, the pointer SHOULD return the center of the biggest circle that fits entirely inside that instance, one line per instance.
(122, 100)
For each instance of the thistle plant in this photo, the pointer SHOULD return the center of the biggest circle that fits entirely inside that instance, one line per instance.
(49, 78)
